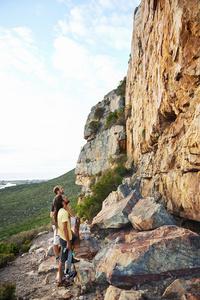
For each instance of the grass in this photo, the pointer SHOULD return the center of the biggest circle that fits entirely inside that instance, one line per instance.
(26, 206)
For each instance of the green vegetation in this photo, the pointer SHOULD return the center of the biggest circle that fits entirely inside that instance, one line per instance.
(94, 126)
(143, 133)
(98, 114)
(111, 118)
(7, 252)
(121, 117)
(121, 89)
(7, 291)
(111, 160)
(116, 117)
(109, 182)
(26, 206)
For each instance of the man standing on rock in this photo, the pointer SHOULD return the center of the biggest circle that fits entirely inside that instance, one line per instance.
(58, 190)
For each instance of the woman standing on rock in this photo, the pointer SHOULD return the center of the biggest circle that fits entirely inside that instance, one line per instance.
(61, 221)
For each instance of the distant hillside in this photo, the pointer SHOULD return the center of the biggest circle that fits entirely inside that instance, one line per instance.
(25, 206)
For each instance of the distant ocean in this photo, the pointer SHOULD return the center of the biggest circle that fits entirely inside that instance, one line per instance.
(9, 184)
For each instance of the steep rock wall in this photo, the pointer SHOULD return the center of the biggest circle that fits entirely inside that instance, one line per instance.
(163, 131)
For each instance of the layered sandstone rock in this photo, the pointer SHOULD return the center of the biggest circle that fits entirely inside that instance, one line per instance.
(163, 130)
(115, 215)
(149, 255)
(147, 214)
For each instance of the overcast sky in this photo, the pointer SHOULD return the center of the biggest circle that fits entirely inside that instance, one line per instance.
(58, 58)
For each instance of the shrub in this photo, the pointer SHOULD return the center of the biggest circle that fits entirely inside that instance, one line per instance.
(121, 169)
(7, 291)
(92, 203)
(121, 117)
(111, 160)
(121, 89)
(94, 126)
(109, 182)
(12, 248)
(7, 253)
(9, 248)
(3, 247)
(111, 118)
(20, 238)
(143, 133)
(98, 114)
(5, 258)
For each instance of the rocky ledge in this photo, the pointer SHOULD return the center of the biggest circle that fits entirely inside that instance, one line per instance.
(133, 249)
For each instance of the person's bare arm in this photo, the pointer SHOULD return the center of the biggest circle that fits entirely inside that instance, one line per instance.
(64, 224)
(69, 209)
(51, 214)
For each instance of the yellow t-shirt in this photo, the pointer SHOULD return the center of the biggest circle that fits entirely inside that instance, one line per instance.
(63, 216)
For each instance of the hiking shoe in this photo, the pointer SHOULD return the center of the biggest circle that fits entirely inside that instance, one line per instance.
(64, 283)
(74, 260)
(57, 260)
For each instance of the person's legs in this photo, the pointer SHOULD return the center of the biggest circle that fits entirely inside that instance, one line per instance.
(63, 258)
(60, 271)
(55, 242)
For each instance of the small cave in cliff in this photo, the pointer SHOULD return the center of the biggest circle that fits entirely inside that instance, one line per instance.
(192, 225)
(166, 119)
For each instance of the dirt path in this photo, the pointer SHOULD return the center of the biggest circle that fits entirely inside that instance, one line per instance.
(23, 271)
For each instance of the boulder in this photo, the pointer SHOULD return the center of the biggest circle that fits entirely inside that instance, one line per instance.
(147, 214)
(85, 274)
(116, 215)
(118, 294)
(122, 192)
(47, 266)
(180, 287)
(88, 246)
(141, 257)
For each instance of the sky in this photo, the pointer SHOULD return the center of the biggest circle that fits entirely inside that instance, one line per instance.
(58, 58)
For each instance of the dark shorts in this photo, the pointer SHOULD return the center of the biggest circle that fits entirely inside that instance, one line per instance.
(74, 238)
(63, 254)
(63, 243)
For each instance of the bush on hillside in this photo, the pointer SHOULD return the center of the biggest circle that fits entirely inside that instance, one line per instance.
(121, 169)
(121, 89)
(94, 126)
(111, 119)
(92, 203)
(121, 117)
(109, 182)
(7, 291)
(98, 114)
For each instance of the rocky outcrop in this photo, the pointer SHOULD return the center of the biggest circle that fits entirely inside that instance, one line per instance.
(104, 142)
(162, 108)
(163, 136)
(149, 255)
(147, 214)
(118, 294)
(115, 215)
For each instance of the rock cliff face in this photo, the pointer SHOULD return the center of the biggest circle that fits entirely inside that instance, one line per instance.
(163, 92)
(163, 131)
(104, 142)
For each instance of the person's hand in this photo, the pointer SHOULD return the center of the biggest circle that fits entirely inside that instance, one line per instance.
(65, 249)
(69, 245)
(77, 218)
